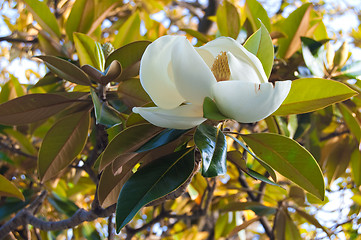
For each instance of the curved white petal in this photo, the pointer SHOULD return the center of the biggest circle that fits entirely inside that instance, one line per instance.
(227, 44)
(154, 72)
(242, 70)
(182, 117)
(249, 102)
(192, 77)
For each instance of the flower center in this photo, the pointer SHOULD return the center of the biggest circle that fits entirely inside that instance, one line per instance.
(220, 68)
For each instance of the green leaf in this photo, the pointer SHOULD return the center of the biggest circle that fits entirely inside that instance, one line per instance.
(290, 159)
(89, 51)
(212, 144)
(23, 141)
(313, 55)
(310, 94)
(295, 26)
(8, 189)
(351, 121)
(132, 93)
(256, 13)
(164, 137)
(200, 36)
(61, 145)
(129, 31)
(263, 163)
(104, 114)
(43, 16)
(260, 177)
(32, 108)
(260, 44)
(129, 57)
(211, 111)
(128, 141)
(151, 182)
(228, 20)
(66, 70)
(80, 18)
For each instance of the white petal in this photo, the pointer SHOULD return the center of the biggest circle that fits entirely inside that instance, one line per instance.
(249, 102)
(192, 76)
(182, 117)
(242, 70)
(154, 72)
(227, 44)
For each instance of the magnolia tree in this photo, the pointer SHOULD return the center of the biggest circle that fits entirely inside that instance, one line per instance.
(211, 122)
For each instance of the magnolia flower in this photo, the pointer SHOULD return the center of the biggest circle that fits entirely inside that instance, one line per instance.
(178, 77)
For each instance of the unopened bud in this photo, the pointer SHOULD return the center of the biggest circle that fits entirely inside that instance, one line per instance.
(107, 49)
(330, 55)
(341, 56)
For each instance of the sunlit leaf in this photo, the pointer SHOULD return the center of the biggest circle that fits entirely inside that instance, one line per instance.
(310, 94)
(228, 20)
(256, 13)
(89, 51)
(8, 189)
(63, 142)
(129, 31)
(212, 144)
(290, 159)
(43, 16)
(351, 121)
(151, 182)
(260, 44)
(313, 55)
(295, 26)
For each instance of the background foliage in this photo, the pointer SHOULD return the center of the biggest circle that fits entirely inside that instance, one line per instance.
(69, 142)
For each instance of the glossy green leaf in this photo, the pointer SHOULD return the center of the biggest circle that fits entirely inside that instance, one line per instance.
(260, 177)
(260, 44)
(66, 70)
(291, 230)
(310, 94)
(295, 26)
(8, 189)
(48, 79)
(290, 159)
(255, 12)
(129, 57)
(132, 93)
(129, 31)
(151, 182)
(32, 108)
(80, 18)
(164, 137)
(61, 145)
(128, 141)
(263, 163)
(313, 56)
(89, 51)
(43, 16)
(211, 111)
(104, 114)
(228, 20)
(212, 144)
(351, 121)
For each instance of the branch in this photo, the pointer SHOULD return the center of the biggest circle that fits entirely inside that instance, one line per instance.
(26, 216)
(18, 40)
(205, 24)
